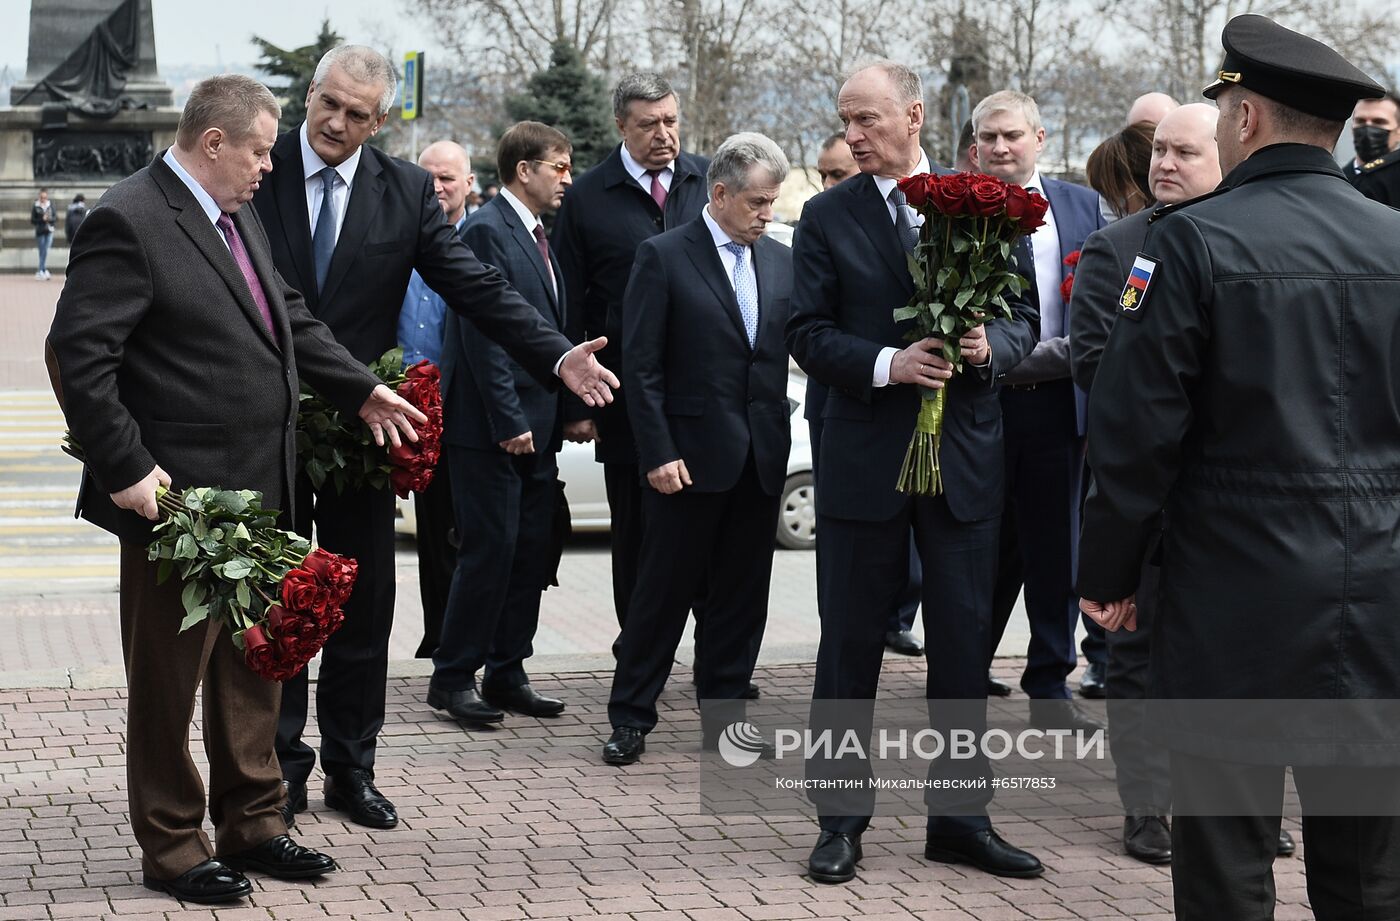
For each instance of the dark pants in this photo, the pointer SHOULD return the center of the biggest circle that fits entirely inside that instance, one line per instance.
(1141, 765)
(1043, 457)
(861, 571)
(624, 487)
(1222, 865)
(505, 513)
(437, 554)
(165, 671)
(724, 542)
(355, 661)
(907, 605)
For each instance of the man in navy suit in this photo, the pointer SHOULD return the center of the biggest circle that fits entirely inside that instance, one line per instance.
(1043, 414)
(703, 321)
(502, 432)
(850, 273)
(347, 225)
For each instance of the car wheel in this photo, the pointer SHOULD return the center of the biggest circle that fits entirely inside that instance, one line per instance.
(797, 514)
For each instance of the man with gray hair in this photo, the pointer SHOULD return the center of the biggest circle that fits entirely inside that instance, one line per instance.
(703, 319)
(645, 186)
(348, 225)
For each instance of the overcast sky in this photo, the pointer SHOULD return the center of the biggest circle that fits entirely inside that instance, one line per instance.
(207, 33)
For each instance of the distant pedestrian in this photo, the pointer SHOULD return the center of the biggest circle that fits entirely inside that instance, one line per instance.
(43, 219)
(77, 212)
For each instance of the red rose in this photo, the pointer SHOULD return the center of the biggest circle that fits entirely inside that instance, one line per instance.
(949, 194)
(1067, 286)
(319, 563)
(258, 653)
(1034, 216)
(1072, 259)
(302, 591)
(424, 370)
(275, 613)
(915, 189)
(986, 196)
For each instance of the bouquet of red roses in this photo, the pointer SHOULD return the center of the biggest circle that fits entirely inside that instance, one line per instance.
(305, 614)
(331, 446)
(962, 272)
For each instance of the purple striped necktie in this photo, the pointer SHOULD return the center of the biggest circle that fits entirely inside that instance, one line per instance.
(245, 265)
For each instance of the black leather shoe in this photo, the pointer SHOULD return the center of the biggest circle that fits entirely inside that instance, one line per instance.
(466, 706)
(1147, 838)
(1286, 847)
(985, 850)
(283, 858)
(751, 692)
(354, 794)
(524, 700)
(903, 642)
(1062, 714)
(294, 802)
(1094, 684)
(624, 746)
(206, 884)
(997, 687)
(834, 858)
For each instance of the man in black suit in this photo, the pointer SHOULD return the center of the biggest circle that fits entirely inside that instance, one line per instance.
(348, 224)
(502, 432)
(703, 322)
(177, 347)
(645, 186)
(849, 276)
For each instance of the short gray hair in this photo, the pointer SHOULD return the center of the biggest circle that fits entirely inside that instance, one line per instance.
(231, 102)
(908, 86)
(1007, 101)
(647, 87)
(362, 64)
(739, 154)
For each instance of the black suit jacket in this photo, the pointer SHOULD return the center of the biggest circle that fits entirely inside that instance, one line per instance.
(1104, 264)
(163, 358)
(393, 224)
(487, 397)
(849, 275)
(605, 216)
(698, 392)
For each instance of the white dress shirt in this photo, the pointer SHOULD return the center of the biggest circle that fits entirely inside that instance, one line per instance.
(1045, 246)
(311, 165)
(885, 184)
(726, 258)
(206, 201)
(530, 220)
(639, 172)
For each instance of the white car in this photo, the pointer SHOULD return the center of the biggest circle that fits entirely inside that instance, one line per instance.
(588, 500)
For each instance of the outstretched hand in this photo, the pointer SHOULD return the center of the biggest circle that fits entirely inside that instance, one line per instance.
(390, 415)
(581, 372)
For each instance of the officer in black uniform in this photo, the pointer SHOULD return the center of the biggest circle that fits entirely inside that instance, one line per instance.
(1378, 175)
(1251, 391)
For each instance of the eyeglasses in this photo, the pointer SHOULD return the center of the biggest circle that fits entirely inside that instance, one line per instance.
(561, 167)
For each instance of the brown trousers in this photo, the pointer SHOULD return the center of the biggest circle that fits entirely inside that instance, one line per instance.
(164, 669)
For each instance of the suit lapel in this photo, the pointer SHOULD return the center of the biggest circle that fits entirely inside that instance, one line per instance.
(289, 188)
(763, 271)
(359, 215)
(207, 238)
(1063, 231)
(526, 241)
(872, 215)
(245, 220)
(704, 255)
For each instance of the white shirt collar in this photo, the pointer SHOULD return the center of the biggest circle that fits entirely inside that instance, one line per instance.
(721, 238)
(527, 217)
(311, 162)
(885, 183)
(637, 171)
(1036, 182)
(206, 201)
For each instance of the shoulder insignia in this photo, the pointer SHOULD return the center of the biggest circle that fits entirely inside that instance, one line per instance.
(1139, 280)
(1387, 160)
(1164, 210)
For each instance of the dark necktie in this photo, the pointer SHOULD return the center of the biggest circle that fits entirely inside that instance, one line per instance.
(323, 240)
(905, 227)
(245, 265)
(543, 245)
(658, 191)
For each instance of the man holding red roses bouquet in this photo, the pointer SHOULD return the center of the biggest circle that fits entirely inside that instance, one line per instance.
(177, 347)
(850, 273)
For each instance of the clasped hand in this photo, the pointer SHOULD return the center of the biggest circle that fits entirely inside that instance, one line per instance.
(140, 497)
(1112, 615)
(923, 363)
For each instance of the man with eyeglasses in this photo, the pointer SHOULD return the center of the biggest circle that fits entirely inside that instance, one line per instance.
(502, 432)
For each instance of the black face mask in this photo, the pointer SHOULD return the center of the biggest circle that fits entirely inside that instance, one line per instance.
(1371, 141)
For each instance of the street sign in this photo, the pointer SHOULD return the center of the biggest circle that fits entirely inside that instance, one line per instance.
(412, 107)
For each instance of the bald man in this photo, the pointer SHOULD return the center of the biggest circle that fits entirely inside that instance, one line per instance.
(1151, 107)
(420, 335)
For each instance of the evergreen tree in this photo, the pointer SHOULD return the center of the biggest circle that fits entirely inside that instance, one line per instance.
(297, 66)
(569, 97)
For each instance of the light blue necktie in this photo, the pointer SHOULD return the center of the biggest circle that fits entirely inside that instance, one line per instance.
(323, 240)
(745, 291)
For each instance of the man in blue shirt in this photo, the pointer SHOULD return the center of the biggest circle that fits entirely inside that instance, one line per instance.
(420, 335)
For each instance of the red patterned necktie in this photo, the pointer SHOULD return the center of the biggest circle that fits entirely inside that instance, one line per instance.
(658, 191)
(245, 265)
(543, 245)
